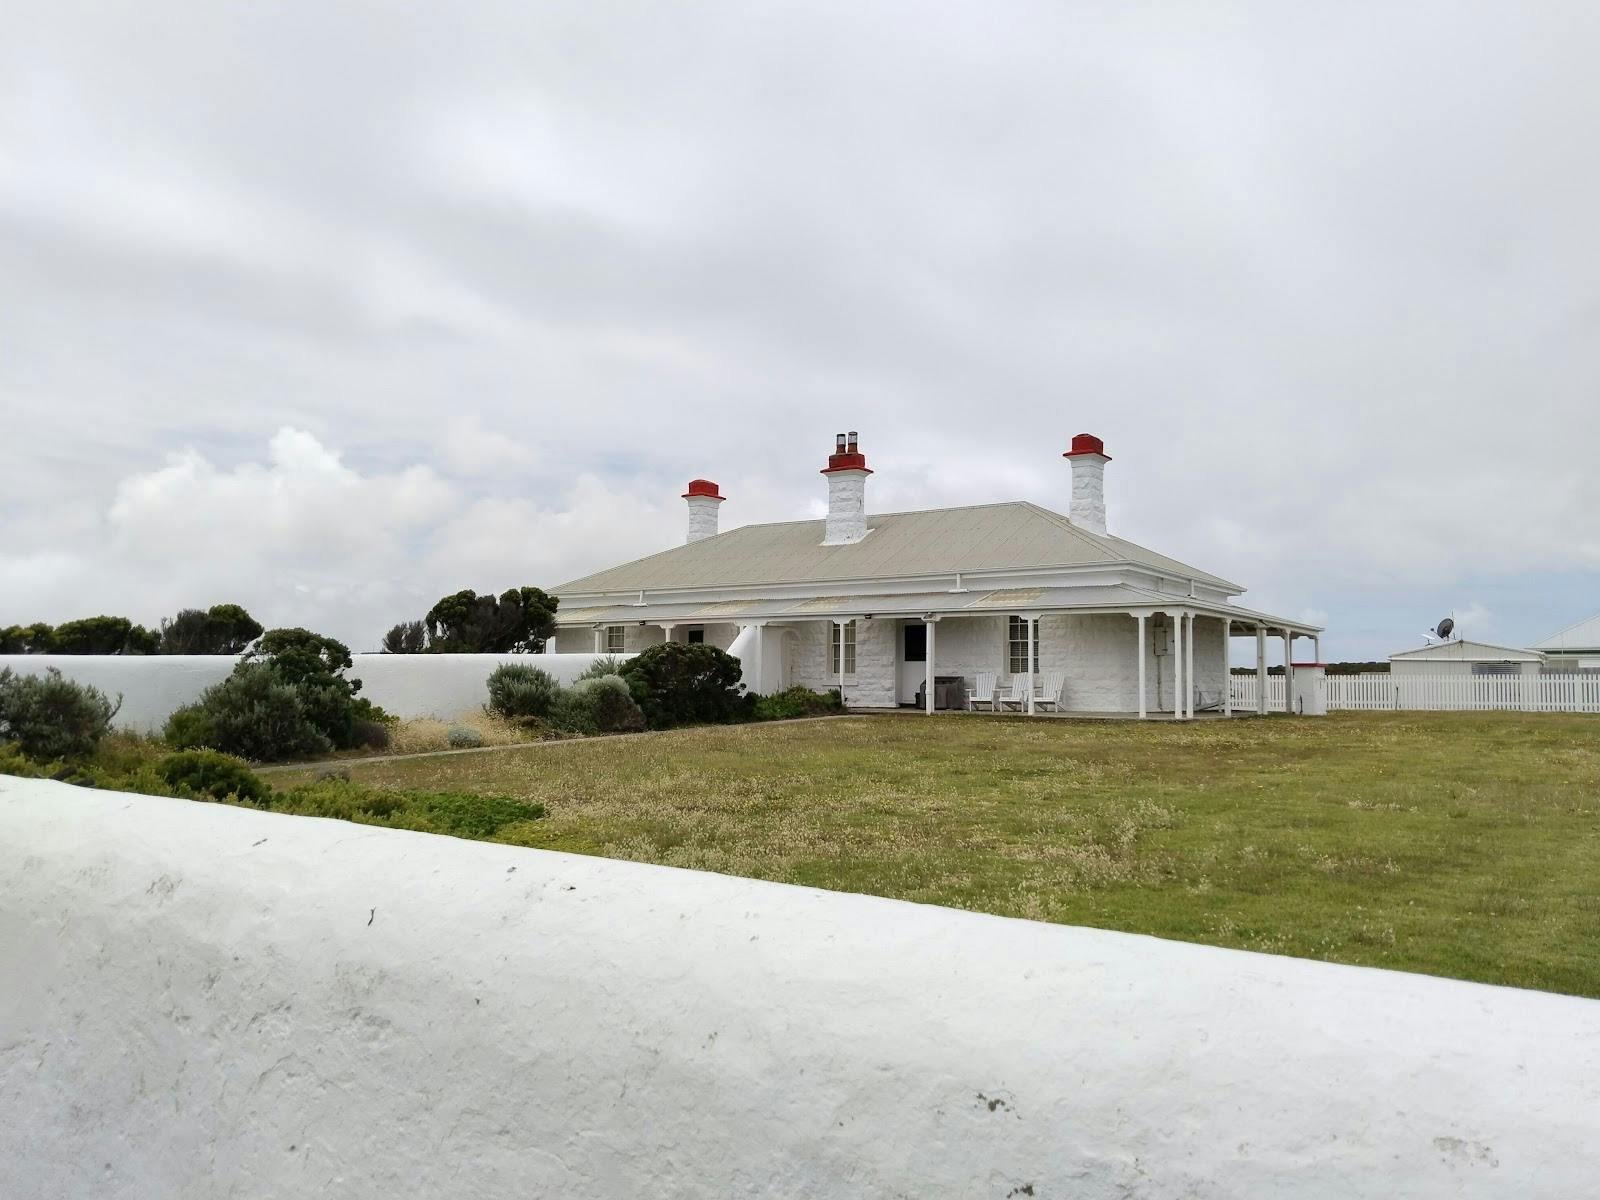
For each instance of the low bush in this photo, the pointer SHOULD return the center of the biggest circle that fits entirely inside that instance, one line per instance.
(214, 774)
(369, 735)
(518, 690)
(606, 664)
(254, 713)
(288, 698)
(464, 737)
(600, 705)
(458, 814)
(50, 717)
(204, 774)
(676, 683)
(795, 702)
(187, 728)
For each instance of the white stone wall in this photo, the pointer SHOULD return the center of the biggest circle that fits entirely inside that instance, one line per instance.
(874, 683)
(204, 1001)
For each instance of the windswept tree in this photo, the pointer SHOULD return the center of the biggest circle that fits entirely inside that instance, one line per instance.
(518, 621)
(408, 637)
(37, 638)
(220, 629)
(104, 635)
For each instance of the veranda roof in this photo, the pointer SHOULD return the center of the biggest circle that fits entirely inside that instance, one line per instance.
(943, 541)
(977, 602)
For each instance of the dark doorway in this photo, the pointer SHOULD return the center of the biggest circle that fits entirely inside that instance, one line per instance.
(916, 642)
(696, 636)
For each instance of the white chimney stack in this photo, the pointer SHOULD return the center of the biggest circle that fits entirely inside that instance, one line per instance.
(1089, 458)
(703, 500)
(847, 492)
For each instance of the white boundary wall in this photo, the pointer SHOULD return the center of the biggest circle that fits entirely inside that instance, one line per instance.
(406, 685)
(1385, 691)
(203, 1001)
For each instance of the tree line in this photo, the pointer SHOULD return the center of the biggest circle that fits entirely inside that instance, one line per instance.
(518, 621)
(220, 629)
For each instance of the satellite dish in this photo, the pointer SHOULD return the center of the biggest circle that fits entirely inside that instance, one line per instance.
(1446, 627)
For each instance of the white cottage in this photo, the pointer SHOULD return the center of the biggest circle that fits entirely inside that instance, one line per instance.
(1002, 606)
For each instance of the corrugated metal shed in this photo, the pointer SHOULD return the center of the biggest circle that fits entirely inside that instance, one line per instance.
(1465, 651)
(943, 541)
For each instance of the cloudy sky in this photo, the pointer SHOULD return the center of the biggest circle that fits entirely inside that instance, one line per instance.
(331, 308)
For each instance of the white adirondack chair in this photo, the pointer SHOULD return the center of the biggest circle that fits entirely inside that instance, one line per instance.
(1015, 694)
(1051, 691)
(981, 692)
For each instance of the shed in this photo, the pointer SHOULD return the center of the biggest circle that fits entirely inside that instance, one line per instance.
(1463, 657)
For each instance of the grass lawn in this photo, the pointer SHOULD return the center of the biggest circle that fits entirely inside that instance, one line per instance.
(1456, 844)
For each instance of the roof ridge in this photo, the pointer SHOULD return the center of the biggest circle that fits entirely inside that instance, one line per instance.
(1568, 629)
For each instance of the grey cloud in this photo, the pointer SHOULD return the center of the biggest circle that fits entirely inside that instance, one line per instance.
(1322, 278)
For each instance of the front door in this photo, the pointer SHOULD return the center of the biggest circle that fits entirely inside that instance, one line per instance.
(913, 659)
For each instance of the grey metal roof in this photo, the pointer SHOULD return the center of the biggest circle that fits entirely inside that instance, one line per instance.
(940, 541)
(1585, 635)
(978, 601)
(1467, 651)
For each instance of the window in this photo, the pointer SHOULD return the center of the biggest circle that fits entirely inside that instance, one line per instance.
(1017, 645)
(849, 631)
(696, 636)
(615, 639)
(1495, 668)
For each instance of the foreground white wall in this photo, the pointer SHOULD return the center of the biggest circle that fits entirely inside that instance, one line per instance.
(205, 1001)
(406, 685)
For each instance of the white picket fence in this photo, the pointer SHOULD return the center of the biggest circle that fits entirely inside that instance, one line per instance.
(1379, 690)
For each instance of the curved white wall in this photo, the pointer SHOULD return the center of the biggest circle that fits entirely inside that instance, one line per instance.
(406, 685)
(203, 1001)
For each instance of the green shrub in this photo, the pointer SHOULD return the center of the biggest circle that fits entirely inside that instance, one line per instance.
(315, 666)
(517, 690)
(463, 814)
(676, 683)
(288, 698)
(795, 702)
(254, 713)
(600, 705)
(606, 664)
(370, 735)
(463, 737)
(340, 799)
(459, 814)
(210, 773)
(187, 728)
(51, 717)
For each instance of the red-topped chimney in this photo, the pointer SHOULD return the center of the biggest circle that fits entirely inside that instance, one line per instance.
(1088, 458)
(704, 499)
(847, 473)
